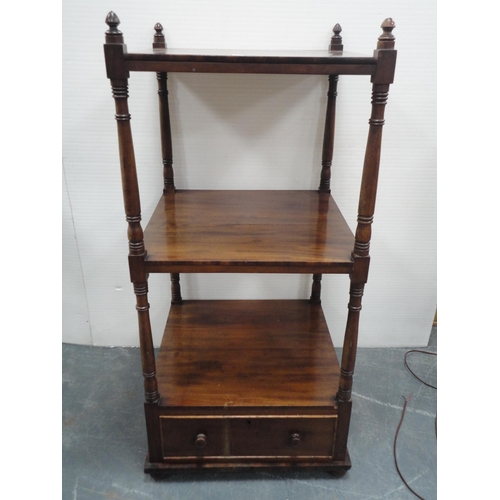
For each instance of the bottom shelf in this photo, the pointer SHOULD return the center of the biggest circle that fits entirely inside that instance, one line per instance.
(247, 384)
(261, 353)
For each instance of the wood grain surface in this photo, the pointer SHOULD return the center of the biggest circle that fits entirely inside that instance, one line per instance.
(248, 231)
(247, 353)
(312, 62)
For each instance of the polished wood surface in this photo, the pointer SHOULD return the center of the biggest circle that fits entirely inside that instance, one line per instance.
(282, 56)
(241, 231)
(268, 56)
(247, 353)
(278, 68)
(319, 62)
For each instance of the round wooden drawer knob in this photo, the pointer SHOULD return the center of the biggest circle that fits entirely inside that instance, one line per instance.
(295, 439)
(201, 441)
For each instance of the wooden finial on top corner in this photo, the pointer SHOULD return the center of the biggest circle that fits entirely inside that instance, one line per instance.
(336, 41)
(387, 40)
(159, 38)
(113, 34)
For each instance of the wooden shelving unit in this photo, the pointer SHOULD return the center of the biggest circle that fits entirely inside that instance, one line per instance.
(248, 383)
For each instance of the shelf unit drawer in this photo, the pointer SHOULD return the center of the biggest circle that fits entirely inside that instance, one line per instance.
(282, 436)
(248, 436)
(192, 436)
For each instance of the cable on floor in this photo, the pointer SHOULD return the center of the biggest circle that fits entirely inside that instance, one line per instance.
(409, 369)
(406, 400)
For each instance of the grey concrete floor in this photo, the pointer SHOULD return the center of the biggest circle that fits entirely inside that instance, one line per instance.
(104, 440)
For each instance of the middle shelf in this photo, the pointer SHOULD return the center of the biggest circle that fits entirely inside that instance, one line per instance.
(248, 231)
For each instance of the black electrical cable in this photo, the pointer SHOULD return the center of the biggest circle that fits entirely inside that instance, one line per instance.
(395, 441)
(418, 378)
(409, 369)
(403, 415)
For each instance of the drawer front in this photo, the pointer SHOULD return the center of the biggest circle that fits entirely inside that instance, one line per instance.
(282, 436)
(192, 436)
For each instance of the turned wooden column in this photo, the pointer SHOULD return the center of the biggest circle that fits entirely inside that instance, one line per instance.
(326, 164)
(381, 81)
(316, 290)
(328, 142)
(329, 135)
(166, 145)
(118, 75)
(175, 287)
(166, 135)
(165, 131)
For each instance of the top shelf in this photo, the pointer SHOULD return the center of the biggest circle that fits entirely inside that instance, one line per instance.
(251, 61)
(334, 61)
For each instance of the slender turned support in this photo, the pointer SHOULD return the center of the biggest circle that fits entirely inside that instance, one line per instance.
(381, 81)
(146, 343)
(166, 134)
(316, 290)
(326, 163)
(328, 138)
(361, 250)
(165, 130)
(175, 287)
(166, 145)
(350, 342)
(114, 50)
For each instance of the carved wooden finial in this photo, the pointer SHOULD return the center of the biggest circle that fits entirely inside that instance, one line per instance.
(387, 40)
(159, 38)
(336, 41)
(112, 21)
(113, 35)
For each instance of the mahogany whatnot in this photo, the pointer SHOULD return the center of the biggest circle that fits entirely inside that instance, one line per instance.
(241, 384)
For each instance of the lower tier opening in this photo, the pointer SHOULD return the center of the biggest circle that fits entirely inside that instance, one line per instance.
(267, 355)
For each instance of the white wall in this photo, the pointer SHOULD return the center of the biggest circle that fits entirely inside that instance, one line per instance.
(250, 131)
